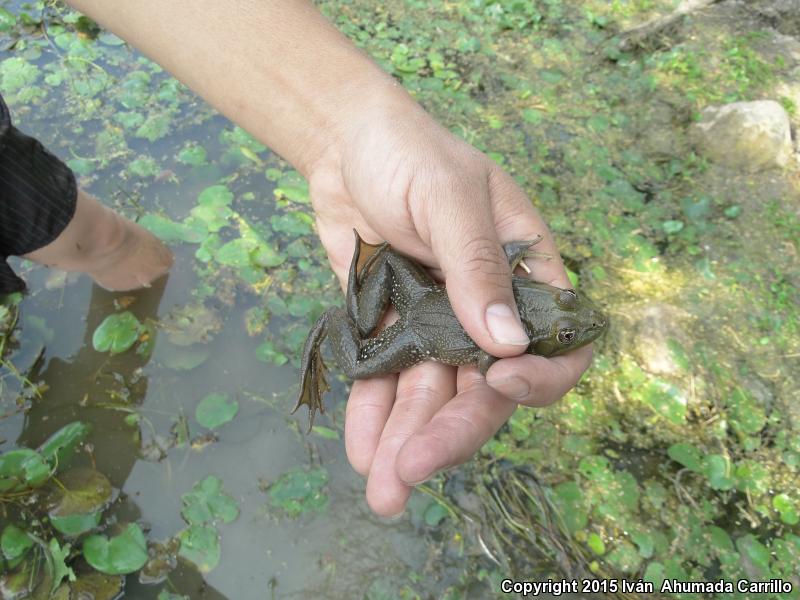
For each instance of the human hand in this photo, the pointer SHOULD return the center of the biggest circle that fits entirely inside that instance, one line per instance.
(405, 179)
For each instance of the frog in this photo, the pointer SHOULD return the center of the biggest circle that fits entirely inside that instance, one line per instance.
(556, 321)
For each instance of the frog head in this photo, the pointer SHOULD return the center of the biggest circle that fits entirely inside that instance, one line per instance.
(556, 320)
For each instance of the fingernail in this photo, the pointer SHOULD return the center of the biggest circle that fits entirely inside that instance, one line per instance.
(504, 325)
(514, 388)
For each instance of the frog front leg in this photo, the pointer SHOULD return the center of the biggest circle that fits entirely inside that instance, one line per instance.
(516, 252)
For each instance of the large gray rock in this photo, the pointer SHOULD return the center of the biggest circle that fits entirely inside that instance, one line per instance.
(752, 136)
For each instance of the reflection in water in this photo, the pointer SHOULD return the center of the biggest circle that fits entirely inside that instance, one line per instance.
(103, 394)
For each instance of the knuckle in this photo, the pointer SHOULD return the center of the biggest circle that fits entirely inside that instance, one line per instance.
(483, 255)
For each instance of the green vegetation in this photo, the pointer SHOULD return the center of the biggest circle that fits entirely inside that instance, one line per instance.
(678, 454)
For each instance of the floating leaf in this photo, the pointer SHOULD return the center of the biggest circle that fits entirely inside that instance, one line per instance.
(77, 504)
(267, 352)
(117, 333)
(215, 195)
(59, 556)
(192, 323)
(155, 127)
(82, 166)
(17, 73)
(14, 542)
(200, 546)
(292, 223)
(298, 491)
(22, 469)
(97, 586)
(170, 231)
(235, 253)
(144, 166)
(185, 358)
(129, 119)
(163, 560)
(207, 502)
(291, 185)
(215, 410)
(120, 555)
(192, 155)
(58, 448)
(267, 256)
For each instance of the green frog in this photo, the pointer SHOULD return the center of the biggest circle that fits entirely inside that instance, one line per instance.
(556, 321)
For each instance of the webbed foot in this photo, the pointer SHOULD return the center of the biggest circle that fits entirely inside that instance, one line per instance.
(312, 369)
(518, 251)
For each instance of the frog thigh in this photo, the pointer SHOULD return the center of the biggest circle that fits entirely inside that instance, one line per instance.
(392, 350)
(384, 276)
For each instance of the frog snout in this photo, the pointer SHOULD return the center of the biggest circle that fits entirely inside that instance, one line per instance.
(598, 320)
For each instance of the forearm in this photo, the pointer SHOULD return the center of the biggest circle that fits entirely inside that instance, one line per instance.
(277, 68)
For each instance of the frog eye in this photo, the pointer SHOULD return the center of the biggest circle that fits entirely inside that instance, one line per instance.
(565, 336)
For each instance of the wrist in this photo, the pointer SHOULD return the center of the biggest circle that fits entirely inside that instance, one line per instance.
(363, 111)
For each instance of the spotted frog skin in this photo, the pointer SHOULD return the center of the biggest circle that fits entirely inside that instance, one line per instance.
(555, 320)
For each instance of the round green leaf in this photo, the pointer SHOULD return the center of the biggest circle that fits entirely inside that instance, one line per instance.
(117, 333)
(192, 155)
(21, 469)
(216, 195)
(215, 410)
(77, 504)
(120, 555)
(208, 502)
(14, 542)
(299, 491)
(59, 447)
(200, 546)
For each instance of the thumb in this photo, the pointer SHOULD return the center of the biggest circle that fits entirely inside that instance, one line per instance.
(477, 275)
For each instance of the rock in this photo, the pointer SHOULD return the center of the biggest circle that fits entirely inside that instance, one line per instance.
(752, 136)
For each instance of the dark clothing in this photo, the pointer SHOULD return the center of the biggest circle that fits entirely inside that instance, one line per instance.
(37, 197)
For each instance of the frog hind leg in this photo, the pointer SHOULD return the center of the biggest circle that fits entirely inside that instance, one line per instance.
(393, 349)
(367, 289)
(312, 368)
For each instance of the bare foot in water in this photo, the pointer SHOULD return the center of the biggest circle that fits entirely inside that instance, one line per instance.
(114, 251)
